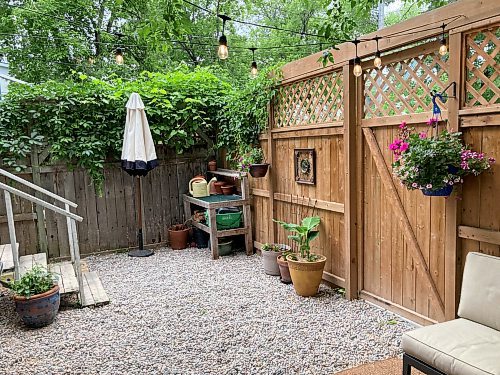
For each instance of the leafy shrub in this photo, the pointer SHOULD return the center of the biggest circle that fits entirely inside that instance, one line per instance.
(36, 281)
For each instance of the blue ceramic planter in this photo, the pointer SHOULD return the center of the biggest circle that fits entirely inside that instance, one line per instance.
(39, 310)
(443, 192)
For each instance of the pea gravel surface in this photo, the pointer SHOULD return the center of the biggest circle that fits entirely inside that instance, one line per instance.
(179, 312)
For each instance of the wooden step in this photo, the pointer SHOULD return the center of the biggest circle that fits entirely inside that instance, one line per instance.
(66, 277)
(93, 291)
(26, 262)
(6, 256)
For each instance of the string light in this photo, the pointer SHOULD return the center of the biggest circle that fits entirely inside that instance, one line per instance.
(357, 71)
(443, 49)
(254, 72)
(119, 56)
(377, 62)
(222, 50)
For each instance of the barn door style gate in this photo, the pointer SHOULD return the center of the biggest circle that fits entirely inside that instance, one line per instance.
(394, 247)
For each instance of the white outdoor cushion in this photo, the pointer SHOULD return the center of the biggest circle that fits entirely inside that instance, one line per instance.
(480, 298)
(457, 347)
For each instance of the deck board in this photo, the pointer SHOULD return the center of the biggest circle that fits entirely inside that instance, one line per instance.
(27, 262)
(6, 256)
(67, 280)
(93, 291)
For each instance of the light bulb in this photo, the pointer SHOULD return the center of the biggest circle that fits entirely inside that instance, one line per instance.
(377, 62)
(223, 51)
(254, 72)
(91, 60)
(357, 71)
(119, 56)
(443, 49)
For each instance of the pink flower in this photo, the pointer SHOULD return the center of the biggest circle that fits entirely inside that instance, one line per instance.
(404, 146)
(414, 185)
(402, 125)
(491, 160)
(428, 186)
(432, 121)
(422, 135)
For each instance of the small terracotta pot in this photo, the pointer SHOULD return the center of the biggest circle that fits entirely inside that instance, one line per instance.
(227, 189)
(284, 270)
(212, 165)
(218, 186)
(39, 310)
(258, 170)
(178, 235)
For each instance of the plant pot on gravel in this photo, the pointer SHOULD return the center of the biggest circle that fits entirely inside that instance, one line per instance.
(37, 297)
(178, 236)
(306, 268)
(285, 277)
(270, 253)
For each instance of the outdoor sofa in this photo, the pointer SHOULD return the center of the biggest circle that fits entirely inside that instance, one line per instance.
(469, 345)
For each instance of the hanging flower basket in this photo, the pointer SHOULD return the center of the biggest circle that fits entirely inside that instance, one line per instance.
(434, 163)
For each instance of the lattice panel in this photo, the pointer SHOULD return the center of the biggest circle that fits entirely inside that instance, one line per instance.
(482, 77)
(313, 101)
(404, 87)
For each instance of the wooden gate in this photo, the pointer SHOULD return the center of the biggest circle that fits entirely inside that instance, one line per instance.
(393, 247)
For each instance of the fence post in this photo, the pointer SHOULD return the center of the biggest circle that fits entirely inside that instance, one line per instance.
(350, 191)
(40, 217)
(452, 206)
(271, 174)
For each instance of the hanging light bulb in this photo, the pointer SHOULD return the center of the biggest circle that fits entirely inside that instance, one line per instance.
(119, 56)
(377, 61)
(223, 51)
(357, 71)
(443, 49)
(253, 68)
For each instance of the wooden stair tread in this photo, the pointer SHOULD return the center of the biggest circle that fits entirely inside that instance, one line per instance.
(68, 283)
(26, 262)
(93, 291)
(6, 256)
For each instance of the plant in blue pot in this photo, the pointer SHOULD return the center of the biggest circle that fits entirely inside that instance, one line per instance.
(36, 296)
(434, 163)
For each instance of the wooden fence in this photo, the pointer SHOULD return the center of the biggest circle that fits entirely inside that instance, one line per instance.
(109, 221)
(394, 247)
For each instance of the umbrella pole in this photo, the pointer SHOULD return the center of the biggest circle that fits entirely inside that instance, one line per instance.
(140, 252)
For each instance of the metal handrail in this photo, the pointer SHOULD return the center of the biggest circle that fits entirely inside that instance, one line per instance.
(39, 201)
(3, 172)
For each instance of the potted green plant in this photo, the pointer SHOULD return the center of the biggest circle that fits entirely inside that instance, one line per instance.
(285, 277)
(178, 236)
(306, 268)
(253, 161)
(36, 296)
(435, 163)
(270, 253)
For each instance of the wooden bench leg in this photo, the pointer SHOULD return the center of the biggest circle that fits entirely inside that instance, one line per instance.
(214, 240)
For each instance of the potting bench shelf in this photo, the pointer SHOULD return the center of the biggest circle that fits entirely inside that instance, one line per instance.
(213, 202)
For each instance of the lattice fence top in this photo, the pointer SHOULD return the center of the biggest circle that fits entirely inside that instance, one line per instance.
(482, 78)
(404, 87)
(313, 101)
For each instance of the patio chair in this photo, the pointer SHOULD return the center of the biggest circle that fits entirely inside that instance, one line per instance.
(469, 345)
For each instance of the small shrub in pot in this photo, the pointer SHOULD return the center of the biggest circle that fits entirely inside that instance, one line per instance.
(270, 253)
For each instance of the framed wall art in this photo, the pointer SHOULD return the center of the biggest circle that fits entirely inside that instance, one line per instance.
(305, 168)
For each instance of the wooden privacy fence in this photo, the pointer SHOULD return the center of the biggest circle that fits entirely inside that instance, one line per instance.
(394, 247)
(109, 221)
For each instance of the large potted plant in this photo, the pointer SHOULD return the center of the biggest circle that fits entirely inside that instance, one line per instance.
(306, 268)
(253, 161)
(434, 163)
(37, 297)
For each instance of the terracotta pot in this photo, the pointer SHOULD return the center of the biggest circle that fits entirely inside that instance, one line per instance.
(178, 235)
(269, 260)
(218, 186)
(39, 310)
(306, 276)
(227, 189)
(284, 270)
(258, 170)
(212, 165)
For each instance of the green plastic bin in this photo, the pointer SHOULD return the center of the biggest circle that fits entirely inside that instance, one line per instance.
(229, 220)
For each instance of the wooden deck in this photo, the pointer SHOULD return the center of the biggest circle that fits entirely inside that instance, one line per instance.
(93, 290)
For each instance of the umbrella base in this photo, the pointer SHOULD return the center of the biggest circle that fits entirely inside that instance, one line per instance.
(140, 253)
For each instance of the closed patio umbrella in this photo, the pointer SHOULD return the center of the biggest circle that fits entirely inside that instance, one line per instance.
(138, 158)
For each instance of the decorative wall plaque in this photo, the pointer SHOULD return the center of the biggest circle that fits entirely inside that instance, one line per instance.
(305, 169)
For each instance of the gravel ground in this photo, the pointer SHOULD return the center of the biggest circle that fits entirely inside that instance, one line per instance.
(179, 312)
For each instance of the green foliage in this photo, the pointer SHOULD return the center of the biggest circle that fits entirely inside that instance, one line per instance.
(271, 247)
(36, 281)
(83, 120)
(247, 159)
(246, 113)
(304, 234)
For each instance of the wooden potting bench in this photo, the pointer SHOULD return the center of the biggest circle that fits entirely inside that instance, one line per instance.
(213, 202)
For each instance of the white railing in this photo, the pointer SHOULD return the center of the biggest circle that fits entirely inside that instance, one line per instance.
(71, 220)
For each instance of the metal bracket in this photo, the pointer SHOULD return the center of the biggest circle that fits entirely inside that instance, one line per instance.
(442, 95)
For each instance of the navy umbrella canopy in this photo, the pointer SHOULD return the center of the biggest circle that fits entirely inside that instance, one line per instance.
(138, 157)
